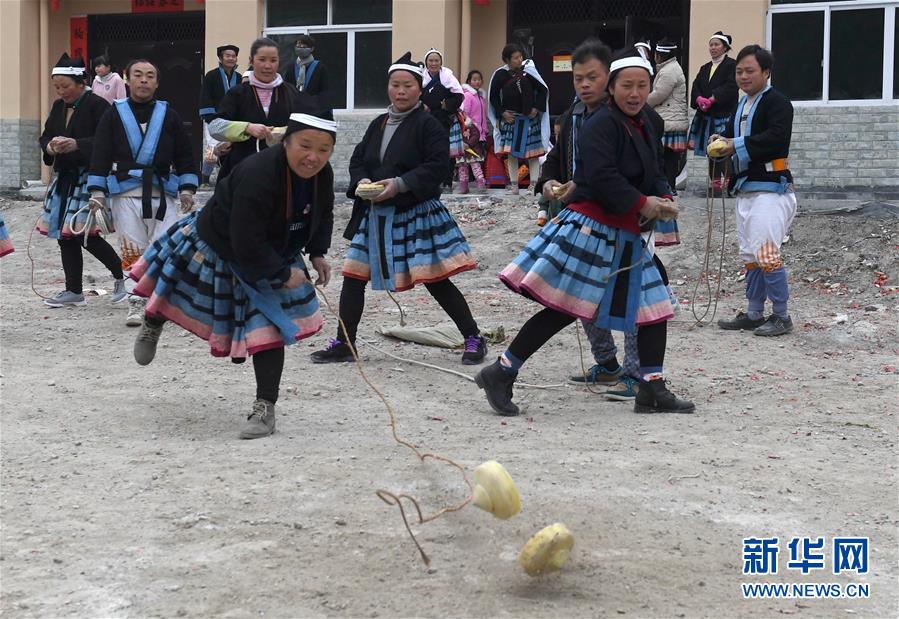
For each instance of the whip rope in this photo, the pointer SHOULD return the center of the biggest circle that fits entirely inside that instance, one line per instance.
(704, 277)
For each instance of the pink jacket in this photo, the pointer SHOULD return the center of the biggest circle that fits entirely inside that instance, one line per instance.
(112, 88)
(475, 107)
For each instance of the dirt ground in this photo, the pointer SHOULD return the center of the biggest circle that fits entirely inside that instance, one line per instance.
(125, 492)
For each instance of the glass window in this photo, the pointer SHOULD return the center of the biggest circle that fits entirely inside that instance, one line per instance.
(856, 54)
(362, 11)
(372, 62)
(896, 58)
(296, 13)
(797, 42)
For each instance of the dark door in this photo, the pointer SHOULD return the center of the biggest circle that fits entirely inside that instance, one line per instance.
(173, 42)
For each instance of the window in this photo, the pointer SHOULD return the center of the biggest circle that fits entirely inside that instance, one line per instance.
(798, 37)
(835, 51)
(895, 56)
(352, 38)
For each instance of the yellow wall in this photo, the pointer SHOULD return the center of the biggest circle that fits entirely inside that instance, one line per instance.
(238, 22)
(488, 37)
(19, 40)
(419, 25)
(744, 20)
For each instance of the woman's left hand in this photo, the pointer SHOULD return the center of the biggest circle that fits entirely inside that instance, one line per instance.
(533, 113)
(323, 269)
(390, 190)
(62, 145)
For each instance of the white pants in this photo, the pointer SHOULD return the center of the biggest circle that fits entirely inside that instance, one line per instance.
(763, 219)
(135, 232)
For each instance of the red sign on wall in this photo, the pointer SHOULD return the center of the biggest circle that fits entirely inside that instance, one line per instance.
(78, 37)
(156, 6)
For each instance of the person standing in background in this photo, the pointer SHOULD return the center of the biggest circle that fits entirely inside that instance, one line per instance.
(308, 73)
(216, 84)
(669, 99)
(107, 83)
(714, 97)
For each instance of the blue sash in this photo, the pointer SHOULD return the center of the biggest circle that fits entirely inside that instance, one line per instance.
(380, 280)
(266, 301)
(604, 317)
(519, 138)
(740, 158)
(228, 85)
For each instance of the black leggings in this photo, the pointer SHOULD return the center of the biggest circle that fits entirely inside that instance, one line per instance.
(268, 365)
(674, 163)
(542, 326)
(352, 303)
(73, 261)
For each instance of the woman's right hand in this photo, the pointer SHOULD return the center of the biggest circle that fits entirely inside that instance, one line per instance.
(260, 132)
(508, 117)
(548, 189)
(653, 206)
(297, 278)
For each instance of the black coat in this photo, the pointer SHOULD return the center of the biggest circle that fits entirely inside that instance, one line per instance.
(246, 220)
(241, 104)
(615, 164)
(416, 153)
(174, 150)
(212, 92)
(435, 95)
(318, 83)
(558, 163)
(504, 94)
(767, 139)
(722, 86)
(82, 127)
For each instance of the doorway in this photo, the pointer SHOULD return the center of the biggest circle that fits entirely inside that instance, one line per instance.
(174, 42)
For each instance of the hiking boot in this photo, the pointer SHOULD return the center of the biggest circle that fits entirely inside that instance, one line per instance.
(336, 352)
(475, 350)
(597, 375)
(146, 341)
(497, 385)
(740, 321)
(135, 317)
(119, 293)
(775, 325)
(654, 397)
(261, 421)
(66, 298)
(625, 390)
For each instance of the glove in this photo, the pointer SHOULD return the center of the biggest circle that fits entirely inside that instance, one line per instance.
(187, 201)
(704, 104)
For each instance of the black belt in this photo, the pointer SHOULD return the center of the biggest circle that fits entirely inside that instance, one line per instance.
(147, 174)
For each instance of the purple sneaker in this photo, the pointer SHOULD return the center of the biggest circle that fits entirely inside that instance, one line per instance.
(475, 350)
(336, 352)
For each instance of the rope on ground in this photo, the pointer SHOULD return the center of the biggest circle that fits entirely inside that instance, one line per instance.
(385, 495)
(704, 277)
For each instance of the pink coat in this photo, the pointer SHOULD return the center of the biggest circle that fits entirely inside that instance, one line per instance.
(475, 107)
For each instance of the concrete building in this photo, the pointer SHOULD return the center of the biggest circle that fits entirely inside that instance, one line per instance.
(845, 86)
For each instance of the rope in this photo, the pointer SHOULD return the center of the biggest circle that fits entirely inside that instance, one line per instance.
(31, 235)
(703, 276)
(385, 495)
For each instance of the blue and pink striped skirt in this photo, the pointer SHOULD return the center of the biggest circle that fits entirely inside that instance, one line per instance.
(5, 244)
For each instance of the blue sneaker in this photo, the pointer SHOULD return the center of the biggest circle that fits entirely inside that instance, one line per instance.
(597, 375)
(624, 390)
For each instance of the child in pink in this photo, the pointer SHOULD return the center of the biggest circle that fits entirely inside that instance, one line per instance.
(107, 83)
(474, 107)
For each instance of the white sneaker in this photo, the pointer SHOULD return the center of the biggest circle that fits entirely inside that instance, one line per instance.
(135, 316)
(66, 298)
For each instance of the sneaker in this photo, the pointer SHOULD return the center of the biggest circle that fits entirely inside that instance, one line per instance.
(336, 352)
(497, 385)
(119, 293)
(740, 321)
(475, 350)
(597, 375)
(654, 397)
(66, 298)
(261, 421)
(512, 191)
(775, 325)
(462, 188)
(624, 390)
(136, 307)
(146, 341)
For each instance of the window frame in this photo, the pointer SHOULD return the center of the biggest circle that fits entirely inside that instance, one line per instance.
(889, 7)
(350, 30)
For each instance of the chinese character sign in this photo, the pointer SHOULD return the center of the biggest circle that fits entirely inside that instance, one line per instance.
(760, 555)
(850, 554)
(806, 554)
(156, 6)
(78, 37)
